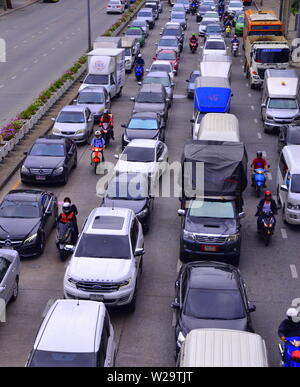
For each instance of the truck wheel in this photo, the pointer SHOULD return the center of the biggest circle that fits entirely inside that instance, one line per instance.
(120, 93)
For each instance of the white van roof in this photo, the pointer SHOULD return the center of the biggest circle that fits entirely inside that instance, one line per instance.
(223, 348)
(292, 157)
(219, 127)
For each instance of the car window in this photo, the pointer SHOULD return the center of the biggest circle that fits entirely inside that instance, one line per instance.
(138, 154)
(101, 356)
(45, 199)
(47, 149)
(214, 45)
(4, 265)
(18, 209)
(71, 118)
(133, 238)
(139, 123)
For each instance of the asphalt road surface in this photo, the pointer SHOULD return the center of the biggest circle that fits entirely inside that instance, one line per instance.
(42, 42)
(146, 337)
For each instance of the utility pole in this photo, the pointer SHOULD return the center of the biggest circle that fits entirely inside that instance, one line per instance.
(89, 25)
(285, 6)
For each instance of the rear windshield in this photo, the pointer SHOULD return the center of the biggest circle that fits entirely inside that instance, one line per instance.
(71, 118)
(138, 154)
(168, 42)
(144, 97)
(93, 79)
(134, 31)
(215, 46)
(166, 56)
(140, 123)
(145, 14)
(62, 359)
(162, 80)
(87, 97)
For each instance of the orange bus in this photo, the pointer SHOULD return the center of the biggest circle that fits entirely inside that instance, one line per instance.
(261, 23)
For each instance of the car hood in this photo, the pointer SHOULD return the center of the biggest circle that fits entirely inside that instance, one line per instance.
(141, 133)
(211, 226)
(99, 269)
(127, 166)
(69, 127)
(283, 113)
(17, 228)
(44, 162)
(189, 323)
(134, 205)
(148, 107)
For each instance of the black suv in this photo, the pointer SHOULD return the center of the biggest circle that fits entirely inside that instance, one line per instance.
(210, 231)
(49, 160)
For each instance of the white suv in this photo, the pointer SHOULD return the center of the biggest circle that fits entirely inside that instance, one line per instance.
(74, 334)
(107, 261)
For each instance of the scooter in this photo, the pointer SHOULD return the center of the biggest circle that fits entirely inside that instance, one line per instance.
(290, 353)
(267, 226)
(235, 48)
(193, 47)
(96, 157)
(259, 180)
(65, 236)
(106, 130)
(139, 72)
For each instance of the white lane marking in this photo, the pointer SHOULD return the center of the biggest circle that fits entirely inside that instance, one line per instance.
(53, 48)
(47, 307)
(269, 174)
(179, 96)
(294, 271)
(24, 41)
(33, 36)
(256, 120)
(179, 264)
(61, 42)
(259, 135)
(264, 153)
(249, 95)
(252, 107)
(284, 233)
(25, 69)
(35, 61)
(15, 46)
(247, 84)
(45, 54)
(14, 77)
(174, 319)
(1, 86)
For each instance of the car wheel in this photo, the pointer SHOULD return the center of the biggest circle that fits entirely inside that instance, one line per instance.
(131, 306)
(15, 290)
(42, 244)
(236, 260)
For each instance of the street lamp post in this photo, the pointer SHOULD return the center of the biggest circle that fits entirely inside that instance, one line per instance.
(89, 25)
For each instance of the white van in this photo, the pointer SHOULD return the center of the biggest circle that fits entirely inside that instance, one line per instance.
(222, 348)
(288, 183)
(219, 127)
(74, 334)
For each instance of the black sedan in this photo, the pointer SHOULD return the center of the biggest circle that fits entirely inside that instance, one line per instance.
(131, 190)
(210, 295)
(26, 219)
(49, 160)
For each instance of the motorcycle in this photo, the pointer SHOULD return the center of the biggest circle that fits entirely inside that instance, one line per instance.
(266, 226)
(65, 236)
(106, 129)
(290, 354)
(193, 47)
(235, 48)
(96, 157)
(259, 179)
(139, 72)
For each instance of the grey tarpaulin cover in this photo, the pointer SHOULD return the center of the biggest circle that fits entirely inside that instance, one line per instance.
(225, 168)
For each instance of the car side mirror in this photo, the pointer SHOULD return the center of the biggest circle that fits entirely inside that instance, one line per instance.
(192, 121)
(181, 212)
(175, 305)
(70, 248)
(139, 251)
(140, 83)
(147, 70)
(75, 100)
(2, 288)
(116, 157)
(251, 308)
(123, 126)
(52, 119)
(284, 188)
(242, 215)
(132, 99)
(25, 153)
(263, 105)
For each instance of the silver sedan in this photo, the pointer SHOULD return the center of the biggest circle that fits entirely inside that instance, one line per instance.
(9, 277)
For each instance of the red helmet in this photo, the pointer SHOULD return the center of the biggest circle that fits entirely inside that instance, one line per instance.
(268, 194)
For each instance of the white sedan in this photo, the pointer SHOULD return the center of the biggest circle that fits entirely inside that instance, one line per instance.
(148, 157)
(162, 65)
(215, 45)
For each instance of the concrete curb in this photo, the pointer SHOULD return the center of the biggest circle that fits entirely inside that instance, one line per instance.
(4, 13)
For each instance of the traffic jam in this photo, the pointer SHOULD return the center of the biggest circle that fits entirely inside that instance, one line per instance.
(197, 97)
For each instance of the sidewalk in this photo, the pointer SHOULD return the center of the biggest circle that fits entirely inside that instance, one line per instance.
(17, 4)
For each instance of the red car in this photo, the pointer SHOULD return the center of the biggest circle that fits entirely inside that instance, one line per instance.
(171, 56)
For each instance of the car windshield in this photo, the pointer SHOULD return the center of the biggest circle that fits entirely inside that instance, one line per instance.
(295, 186)
(62, 359)
(138, 154)
(200, 208)
(96, 79)
(162, 80)
(283, 103)
(4, 265)
(18, 209)
(177, 16)
(134, 31)
(161, 67)
(127, 190)
(272, 55)
(145, 14)
(91, 98)
(144, 97)
(166, 56)
(140, 123)
(171, 32)
(127, 51)
(214, 304)
(103, 246)
(215, 46)
(71, 118)
(214, 29)
(51, 150)
(168, 42)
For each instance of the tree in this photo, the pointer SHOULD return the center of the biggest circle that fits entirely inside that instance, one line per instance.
(7, 4)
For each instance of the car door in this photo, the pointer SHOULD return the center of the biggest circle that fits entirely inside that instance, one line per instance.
(6, 279)
(50, 211)
(71, 154)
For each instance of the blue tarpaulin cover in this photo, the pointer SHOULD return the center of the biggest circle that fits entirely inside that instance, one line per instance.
(212, 99)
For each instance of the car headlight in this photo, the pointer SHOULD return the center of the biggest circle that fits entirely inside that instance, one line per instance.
(55, 130)
(31, 239)
(292, 206)
(125, 283)
(188, 235)
(72, 281)
(24, 169)
(233, 238)
(270, 118)
(80, 131)
(180, 339)
(143, 213)
(58, 171)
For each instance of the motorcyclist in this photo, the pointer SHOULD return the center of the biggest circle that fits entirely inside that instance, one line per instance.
(68, 216)
(266, 205)
(75, 212)
(107, 117)
(98, 142)
(139, 60)
(193, 4)
(258, 162)
(235, 40)
(290, 326)
(194, 39)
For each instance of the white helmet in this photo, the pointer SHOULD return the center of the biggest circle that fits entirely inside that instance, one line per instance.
(292, 312)
(66, 207)
(98, 133)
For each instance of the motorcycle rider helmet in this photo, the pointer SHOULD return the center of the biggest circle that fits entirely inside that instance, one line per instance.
(291, 313)
(193, 34)
(98, 133)
(105, 111)
(140, 55)
(66, 208)
(268, 195)
(259, 154)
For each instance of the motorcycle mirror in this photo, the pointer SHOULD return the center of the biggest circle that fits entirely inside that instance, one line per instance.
(69, 248)
(116, 157)
(242, 215)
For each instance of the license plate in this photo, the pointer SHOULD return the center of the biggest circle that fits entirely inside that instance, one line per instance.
(40, 178)
(209, 248)
(96, 297)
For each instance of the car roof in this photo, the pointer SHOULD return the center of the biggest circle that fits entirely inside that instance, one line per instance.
(152, 88)
(161, 62)
(30, 195)
(71, 326)
(142, 143)
(51, 139)
(169, 37)
(119, 226)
